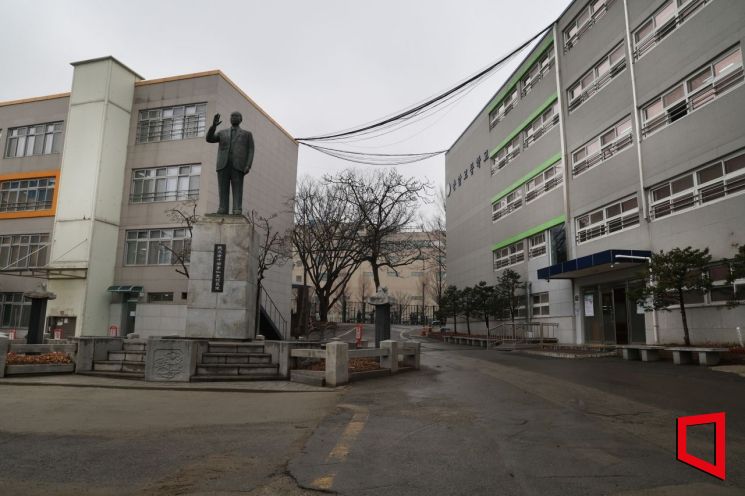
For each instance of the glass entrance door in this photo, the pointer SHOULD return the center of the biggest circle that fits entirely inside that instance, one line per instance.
(620, 316)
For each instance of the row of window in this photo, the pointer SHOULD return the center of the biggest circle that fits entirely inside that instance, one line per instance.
(15, 311)
(40, 139)
(157, 246)
(171, 123)
(173, 183)
(704, 86)
(27, 194)
(531, 78)
(529, 191)
(526, 137)
(513, 254)
(583, 21)
(597, 77)
(603, 146)
(22, 251)
(606, 220)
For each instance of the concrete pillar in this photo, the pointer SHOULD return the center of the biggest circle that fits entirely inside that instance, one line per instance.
(391, 360)
(337, 363)
(708, 359)
(382, 323)
(86, 226)
(412, 360)
(4, 346)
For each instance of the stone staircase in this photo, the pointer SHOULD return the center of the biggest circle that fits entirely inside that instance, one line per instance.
(235, 361)
(129, 363)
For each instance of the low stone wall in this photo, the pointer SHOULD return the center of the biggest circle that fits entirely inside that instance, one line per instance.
(7, 346)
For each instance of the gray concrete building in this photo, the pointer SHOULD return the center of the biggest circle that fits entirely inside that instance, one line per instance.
(620, 134)
(92, 187)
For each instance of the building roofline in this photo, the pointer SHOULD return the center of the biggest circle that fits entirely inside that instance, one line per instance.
(217, 72)
(34, 99)
(106, 57)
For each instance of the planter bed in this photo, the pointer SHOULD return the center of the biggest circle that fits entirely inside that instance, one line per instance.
(44, 368)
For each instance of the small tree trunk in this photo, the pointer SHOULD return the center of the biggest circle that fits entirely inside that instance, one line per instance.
(468, 323)
(323, 308)
(455, 323)
(686, 336)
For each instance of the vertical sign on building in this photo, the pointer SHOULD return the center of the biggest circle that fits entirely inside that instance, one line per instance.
(218, 269)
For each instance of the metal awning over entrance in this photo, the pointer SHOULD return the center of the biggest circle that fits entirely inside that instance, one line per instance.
(597, 263)
(125, 289)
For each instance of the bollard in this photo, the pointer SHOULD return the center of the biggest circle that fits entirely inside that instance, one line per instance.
(337, 363)
(391, 360)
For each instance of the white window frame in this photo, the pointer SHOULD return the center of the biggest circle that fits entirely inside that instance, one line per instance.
(627, 218)
(507, 204)
(27, 195)
(579, 92)
(535, 73)
(538, 245)
(682, 10)
(594, 10)
(690, 99)
(146, 239)
(541, 124)
(544, 182)
(509, 255)
(623, 138)
(37, 139)
(506, 154)
(174, 123)
(23, 251)
(700, 193)
(540, 306)
(504, 107)
(161, 184)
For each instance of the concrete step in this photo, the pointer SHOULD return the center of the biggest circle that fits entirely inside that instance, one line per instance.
(128, 356)
(119, 366)
(115, 375)
(136, 346)
(247, 369)
(241, 358)
(216, 378)
(228, 347)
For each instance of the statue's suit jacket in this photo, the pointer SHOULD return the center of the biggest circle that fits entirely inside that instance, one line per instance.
(243, 148)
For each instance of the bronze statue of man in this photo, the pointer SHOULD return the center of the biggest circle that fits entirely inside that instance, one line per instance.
(234, 157)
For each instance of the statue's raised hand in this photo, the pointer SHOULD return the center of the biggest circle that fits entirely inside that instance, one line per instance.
(216, 121)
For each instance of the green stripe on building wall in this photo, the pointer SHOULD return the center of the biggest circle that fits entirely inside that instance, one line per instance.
(520, 73)
(535, 230)
(527, 177)
(525, 124)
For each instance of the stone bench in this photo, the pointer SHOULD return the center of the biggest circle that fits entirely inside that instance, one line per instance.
(643, 352)
(706, 356)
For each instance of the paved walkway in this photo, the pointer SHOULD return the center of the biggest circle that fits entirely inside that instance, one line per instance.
(75, 380)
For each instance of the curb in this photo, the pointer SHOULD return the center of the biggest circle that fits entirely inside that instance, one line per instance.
(218, 389)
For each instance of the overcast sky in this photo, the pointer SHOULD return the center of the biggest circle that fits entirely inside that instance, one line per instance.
(315, 66)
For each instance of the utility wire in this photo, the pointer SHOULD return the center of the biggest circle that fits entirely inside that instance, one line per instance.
(429, 103)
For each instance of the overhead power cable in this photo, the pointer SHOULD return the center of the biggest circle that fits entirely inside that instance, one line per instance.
(433, 102)
(375, 158)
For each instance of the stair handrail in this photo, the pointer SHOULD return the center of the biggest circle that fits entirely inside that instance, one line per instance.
(273, 313)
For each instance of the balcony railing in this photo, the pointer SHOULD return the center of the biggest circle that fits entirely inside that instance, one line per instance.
(571, 41)
(544, 188)
(620, 143)
(498, 164)
(511, 207)
(608, 227)
(541, 131)
(597, 85)
(529, 85)
(511, 260)
(668, 27)
(694, 101)
(705, 194)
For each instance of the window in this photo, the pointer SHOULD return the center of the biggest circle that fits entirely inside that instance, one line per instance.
(506, 154)
(540, 304)
(503, 108)
(15, 311)
(537, 245)
(508, 204)
(544, 182)
(157, 246)
(664, 21)
(392, 273)
(548, 119)
(177, 182)
(171, 123)
(598, 77)
(509, 255)
(539, 68)
(27, 194)
(723, 289)
(611, 141)
(721, 179)
(587, 17)
(159, 297)
(21, 251)
(607, 220)
(417, 274)
(704, 86)
(40, 139)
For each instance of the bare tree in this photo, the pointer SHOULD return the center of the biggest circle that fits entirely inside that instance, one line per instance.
(183, 215)
(274, 249)
(323, 238)
(386, 203)
(436, 252)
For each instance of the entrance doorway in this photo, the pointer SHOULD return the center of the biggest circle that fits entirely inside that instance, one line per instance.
(611, 316)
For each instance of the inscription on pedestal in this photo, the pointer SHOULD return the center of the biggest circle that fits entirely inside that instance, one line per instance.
(168, 363)
(218, 269)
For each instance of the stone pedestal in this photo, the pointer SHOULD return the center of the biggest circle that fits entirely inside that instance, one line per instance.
(222, 303)
(382, 323)
(170, 360)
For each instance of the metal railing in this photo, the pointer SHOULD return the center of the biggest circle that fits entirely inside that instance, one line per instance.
(529, 140)
(694, 101)
(572, 40)
(523, 331)
(668, 27)
(529, 85)
(597, 85)
(620, 143)
(608, 227)
(544, 188)
(705, 194)
(273, 313)
(191, 194)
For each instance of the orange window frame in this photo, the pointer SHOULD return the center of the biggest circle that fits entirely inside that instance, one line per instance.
(25, 214)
